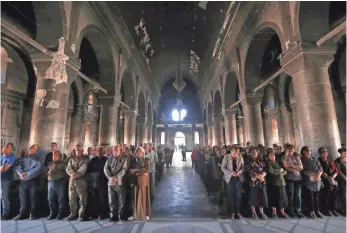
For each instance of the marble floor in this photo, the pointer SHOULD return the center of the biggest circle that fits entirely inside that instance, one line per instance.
(181, 205)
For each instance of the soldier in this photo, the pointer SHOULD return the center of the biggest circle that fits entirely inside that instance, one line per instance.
(76, 169)
(115, 169)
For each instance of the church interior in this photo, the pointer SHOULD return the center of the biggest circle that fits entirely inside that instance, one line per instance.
(179, 74)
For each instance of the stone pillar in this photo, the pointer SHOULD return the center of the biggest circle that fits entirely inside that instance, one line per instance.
(51, 102)
(108, 120)
(67, 130)
(129, 126)
(167, 140)
(288, 126)
(77, 128)
(193, 135)
(230, 126)
(314, 100)
(210, 133)
(218, 131)
(149, 127)
(253, 122)
(154, 135)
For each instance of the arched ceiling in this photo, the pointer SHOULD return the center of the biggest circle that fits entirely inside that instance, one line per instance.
(171, 28)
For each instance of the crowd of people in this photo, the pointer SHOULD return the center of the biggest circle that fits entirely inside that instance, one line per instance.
(118, 184)
(278, 180)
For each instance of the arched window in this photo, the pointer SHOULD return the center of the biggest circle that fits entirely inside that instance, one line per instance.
(179, 115)
(162, 138)
(275, 137)
(90, 99)
(196, 138)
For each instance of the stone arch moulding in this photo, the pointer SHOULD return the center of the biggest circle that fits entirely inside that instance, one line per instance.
(79, 89)
(254, 51)
(231, 87)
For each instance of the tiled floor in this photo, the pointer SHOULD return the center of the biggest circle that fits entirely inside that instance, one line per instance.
(181, 205)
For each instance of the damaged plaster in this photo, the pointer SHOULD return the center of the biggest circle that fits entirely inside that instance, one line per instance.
(53, 104)
(40, 96)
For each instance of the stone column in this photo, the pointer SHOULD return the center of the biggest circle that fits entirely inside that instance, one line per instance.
(193, 135)
(77, 130)
(154, 135)
(129, 126)
(288, 126)
(253, 122)
(230, 126)
(51, 102)
(314, 100)
(167, 141)
(210, 133)
(67, 130)
(218, 131)
(149, 128)
(108, 120)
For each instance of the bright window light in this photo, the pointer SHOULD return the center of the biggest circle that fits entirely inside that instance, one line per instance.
(183, 114)
(175, 115)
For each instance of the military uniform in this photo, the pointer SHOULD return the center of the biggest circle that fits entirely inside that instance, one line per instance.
(116, 166)
(78, 186)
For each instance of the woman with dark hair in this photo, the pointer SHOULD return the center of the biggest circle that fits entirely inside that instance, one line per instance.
(276, 185)
(139, 169)
(341, 178)
(312, 180)
(257, 192)
(329, 192)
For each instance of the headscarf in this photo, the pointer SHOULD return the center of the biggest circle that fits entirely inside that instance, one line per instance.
(140, 148)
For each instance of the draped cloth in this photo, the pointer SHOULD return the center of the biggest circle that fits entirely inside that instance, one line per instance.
(142, 198)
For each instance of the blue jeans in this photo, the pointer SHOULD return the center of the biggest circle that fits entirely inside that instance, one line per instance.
(234, 188)
(31, 188)
(57, 196)
(5, 196)
(294, 193)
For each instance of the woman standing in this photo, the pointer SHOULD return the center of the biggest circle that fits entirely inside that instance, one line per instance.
(276, 185)
(257, 192)
(341, 178)
(312, 180)
(139, 168)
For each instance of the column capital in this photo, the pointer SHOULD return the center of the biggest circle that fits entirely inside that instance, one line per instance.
(129, 112)
(230, 111)
(307, 56)
(253, 98)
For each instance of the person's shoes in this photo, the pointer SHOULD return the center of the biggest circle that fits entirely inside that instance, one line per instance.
(5, 217)
(51, 217)
(81, 219)
(239, 216)
(312, 215)
(255, 216)
(300, 214)
(274, 216)
(232, 217)
(32, 217)
(292, 214)
(114, 219)
(19, 217)
(263, 216)
(131, 218)
(60, 217)
(286, 216)
(319, 214)
(330, 214)
(71, 217)
(147, 218)
(335, 213)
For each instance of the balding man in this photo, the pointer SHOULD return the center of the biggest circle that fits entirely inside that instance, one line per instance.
(76, 169)
(115, 169)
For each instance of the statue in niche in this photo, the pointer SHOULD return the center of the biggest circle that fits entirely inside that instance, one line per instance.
(57, 69)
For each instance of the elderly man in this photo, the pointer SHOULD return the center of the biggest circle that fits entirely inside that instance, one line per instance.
(76, 169)
(29, 171)
(115, 169)
(8, 159)
(152, 155)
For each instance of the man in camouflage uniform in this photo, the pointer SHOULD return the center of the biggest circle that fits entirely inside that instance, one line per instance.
(115, 169)
(76, 169)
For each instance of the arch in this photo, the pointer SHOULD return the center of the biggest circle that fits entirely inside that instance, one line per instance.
(231, 89)
(87, 96)
(154, 116)
(103, 52)
(141, 105)
(260, 40)
(179, 134)
(270, 97)
(307, 16)
(149, 113)
(128, 89)
(217, 104)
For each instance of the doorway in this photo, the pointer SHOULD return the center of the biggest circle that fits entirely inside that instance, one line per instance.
(179, 140)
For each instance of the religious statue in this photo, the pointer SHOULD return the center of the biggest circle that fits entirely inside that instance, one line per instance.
(57, 69)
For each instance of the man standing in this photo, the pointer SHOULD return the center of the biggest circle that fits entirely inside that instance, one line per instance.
(115, 169)
(76, 169)
(29, 171)
(152, 155)
(8, 159)
(108, 152)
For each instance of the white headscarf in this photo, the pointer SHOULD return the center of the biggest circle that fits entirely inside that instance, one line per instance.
(140, 148)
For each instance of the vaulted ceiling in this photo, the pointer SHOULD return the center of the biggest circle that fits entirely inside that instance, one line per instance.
(164, 31)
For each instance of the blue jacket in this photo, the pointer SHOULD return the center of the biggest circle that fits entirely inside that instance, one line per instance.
(30, 166)
(8, 159)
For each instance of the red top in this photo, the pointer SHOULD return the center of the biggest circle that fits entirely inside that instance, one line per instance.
(194, 155)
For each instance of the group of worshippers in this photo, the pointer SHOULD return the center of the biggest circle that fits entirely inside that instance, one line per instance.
(118, 184)
(279, 180)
